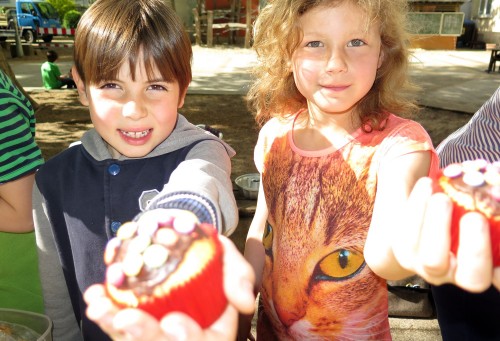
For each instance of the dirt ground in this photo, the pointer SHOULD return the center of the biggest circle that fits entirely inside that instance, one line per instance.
(61, 119)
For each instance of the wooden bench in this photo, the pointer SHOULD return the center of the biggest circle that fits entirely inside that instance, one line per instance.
(495, 57)
(204, 24)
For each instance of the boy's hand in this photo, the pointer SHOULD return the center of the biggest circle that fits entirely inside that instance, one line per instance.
(134, 324)
(423, 244)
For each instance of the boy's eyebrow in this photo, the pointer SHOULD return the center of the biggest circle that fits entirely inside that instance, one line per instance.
(155, 80)
(160, 80)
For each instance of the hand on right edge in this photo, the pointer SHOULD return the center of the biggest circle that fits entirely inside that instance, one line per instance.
(423, 245)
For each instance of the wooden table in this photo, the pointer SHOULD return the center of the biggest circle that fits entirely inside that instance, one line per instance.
(495, 57)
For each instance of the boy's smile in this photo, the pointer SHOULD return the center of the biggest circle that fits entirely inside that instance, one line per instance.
(133, 115)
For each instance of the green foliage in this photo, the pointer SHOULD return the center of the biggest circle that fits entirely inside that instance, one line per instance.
(71, 19)
(63, 6)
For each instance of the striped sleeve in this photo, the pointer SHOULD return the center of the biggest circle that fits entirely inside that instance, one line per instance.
(478, 139)
(19, 154)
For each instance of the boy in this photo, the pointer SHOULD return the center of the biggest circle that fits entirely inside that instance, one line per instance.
(132, 69)
(51, 75)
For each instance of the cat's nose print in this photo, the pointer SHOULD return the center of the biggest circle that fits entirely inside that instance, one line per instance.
(289, 315)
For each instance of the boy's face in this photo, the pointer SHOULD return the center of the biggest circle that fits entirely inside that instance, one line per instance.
(132, 116)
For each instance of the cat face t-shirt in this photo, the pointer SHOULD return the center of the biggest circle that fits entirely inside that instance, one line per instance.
(316, 284)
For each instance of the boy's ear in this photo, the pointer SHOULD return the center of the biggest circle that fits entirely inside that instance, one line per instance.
(182, 97)
(80, 86)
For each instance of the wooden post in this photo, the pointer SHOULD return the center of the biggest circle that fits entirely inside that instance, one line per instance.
(19, 46)
(248, 30)
(197, 26)
(210, 30)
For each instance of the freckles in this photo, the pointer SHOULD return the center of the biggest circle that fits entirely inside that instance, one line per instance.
(309, 66)
(306, 71)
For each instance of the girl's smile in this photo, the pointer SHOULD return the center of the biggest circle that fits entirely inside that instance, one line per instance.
(335, 64)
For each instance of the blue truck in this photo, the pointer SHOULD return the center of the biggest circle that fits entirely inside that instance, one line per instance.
(30, 15)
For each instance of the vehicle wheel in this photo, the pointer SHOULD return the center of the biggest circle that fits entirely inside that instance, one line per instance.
(47, 38)
(29, 36)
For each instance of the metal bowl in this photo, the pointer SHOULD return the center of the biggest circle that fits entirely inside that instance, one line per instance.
(26, 325)
(249, 185)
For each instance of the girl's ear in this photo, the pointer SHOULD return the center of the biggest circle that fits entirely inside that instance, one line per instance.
(381, 58)
(80, 86)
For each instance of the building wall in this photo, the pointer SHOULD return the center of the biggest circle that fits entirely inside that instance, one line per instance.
(488, 26)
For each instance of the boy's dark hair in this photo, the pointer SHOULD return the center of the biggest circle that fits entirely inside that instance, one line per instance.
(113, 32)
(52, 56)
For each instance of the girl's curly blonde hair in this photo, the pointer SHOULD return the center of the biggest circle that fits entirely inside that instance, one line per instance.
(277, 35)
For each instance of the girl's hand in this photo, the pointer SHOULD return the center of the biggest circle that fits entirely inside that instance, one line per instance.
(423, 245)
(134, 324)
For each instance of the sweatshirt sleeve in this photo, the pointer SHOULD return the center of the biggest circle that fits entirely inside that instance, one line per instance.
(57, 302)
(202, 184)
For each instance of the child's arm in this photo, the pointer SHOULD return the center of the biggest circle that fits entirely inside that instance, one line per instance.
(254, 249)
(134, 324)
(15, 205)
(254, 254)
(396, 178)
(206, 172)
(55, 293)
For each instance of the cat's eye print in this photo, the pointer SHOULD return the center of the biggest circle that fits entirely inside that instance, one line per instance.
(267, 240)
(339, 265)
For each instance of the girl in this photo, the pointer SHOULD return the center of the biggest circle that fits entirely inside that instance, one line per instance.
(337, 164)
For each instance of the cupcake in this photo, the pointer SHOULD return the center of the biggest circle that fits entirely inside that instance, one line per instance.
(473, 186)
(165, 265)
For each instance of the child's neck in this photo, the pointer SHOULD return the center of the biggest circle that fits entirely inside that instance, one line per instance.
(314, 131)
(114, 153)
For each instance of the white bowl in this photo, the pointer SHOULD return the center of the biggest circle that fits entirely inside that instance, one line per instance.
(249, 184)
(28, 322)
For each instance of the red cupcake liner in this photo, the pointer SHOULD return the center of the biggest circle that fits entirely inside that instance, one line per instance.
(458, 212)
(201, 297)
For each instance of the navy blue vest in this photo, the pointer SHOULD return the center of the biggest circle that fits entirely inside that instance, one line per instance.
(87, 200)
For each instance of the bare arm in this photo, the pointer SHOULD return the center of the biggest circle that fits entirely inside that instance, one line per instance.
(396, 179)
(254, 254)
(15, 205)
(254, 249)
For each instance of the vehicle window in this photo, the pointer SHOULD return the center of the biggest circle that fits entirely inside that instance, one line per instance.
(47, 11)
(25, 9)
(32, 10)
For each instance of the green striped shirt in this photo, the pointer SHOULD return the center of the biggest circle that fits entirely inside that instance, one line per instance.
(19, 154)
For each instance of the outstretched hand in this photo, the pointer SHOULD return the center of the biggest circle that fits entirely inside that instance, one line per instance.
(423, 245)
(134, 324)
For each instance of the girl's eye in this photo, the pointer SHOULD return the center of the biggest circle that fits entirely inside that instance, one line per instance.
(314, 44)
(356, 42)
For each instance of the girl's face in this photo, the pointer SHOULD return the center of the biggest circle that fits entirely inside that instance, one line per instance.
(337, 60)
(132, 116)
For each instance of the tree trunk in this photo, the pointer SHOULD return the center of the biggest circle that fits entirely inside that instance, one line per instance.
(4, 65)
